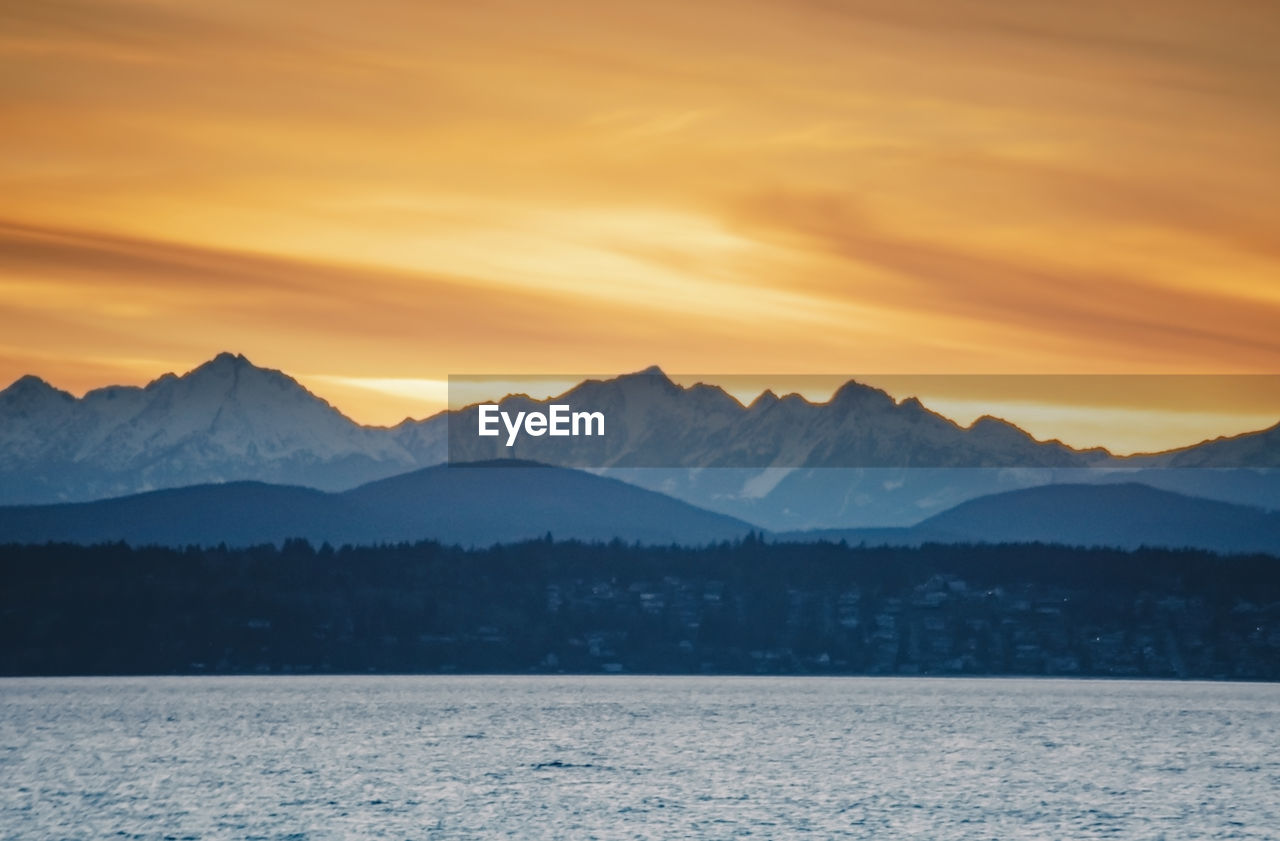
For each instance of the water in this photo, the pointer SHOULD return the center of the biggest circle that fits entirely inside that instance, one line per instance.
(636, 757)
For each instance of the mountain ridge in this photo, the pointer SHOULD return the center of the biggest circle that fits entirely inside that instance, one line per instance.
(483, 504)
(229, 420)
(1126, 515)
(224, 420)
(510, 501)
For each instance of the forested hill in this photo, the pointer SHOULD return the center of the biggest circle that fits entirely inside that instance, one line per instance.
(747, 607)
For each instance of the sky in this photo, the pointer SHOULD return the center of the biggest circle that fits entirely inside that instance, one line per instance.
(375, 196)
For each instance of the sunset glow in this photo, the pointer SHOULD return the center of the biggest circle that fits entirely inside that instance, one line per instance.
(373, 197)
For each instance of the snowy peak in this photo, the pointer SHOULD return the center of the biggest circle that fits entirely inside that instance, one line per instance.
(995, 428)
(30, 391)
(655, 422)
(228, 359)
(854, 395)
(705, 397)
(1253, 449)
(229, 374)
(652, 377)
(30, 410)
(228, 419)
(764, 400)
(27, 384)
(234, 409)
(224, 420)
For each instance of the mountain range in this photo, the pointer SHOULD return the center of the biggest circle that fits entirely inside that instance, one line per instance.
(503, 502)
(1127, 515)
(766, 463)
(227, 420)
(656, 423)
(497, 502)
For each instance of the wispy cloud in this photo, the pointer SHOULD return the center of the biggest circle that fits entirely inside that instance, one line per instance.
(736, 185)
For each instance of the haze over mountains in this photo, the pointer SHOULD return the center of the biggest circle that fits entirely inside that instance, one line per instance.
(766, 464)
(513, 501)
(499, 503)
(1126, 515)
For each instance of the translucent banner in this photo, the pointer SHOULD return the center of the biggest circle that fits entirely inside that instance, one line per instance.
(652, 419)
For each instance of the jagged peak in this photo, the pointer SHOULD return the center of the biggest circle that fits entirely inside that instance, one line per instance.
(711, 395)
(765, 399)
(31, 387)
(652, 372)
(653, 375)
(220, 365)
(230, 375)
(163, 379)
(991, 422)
(227, 361)
(856, 392)
(235, 364)
(30, 382)
(999, 429)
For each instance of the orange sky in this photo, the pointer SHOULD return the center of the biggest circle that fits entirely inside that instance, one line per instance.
(372, 196)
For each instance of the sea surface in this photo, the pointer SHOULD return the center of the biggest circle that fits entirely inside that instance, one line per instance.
(619, 757)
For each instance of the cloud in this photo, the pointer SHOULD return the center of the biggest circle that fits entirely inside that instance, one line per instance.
(735, 185)
(105, 296)
(938, 278)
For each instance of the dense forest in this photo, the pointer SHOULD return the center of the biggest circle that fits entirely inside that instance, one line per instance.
(746, 607)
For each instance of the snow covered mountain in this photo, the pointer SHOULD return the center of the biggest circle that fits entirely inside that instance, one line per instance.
(226, 420)
(653, 422)
(768, 463)
(1253, 449)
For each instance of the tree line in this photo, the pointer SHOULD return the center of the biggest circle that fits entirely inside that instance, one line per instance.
(743, 607)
